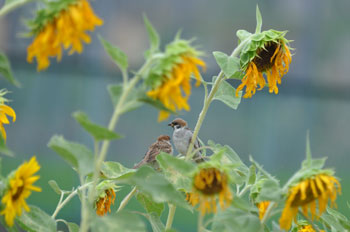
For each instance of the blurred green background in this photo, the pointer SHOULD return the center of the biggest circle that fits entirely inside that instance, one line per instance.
(314, 95)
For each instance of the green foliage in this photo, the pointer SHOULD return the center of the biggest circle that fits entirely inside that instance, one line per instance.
(5, 70)
(235, 220)
(157, 187)
(156, 223)
(116, 171)
(152, 35)
(228, 64)
(4, 149)
(98, 132)
(119, 57)
(122, 221)
(227, 94)
(149, 205)
(76, 155)
(132, 102)
(258, 20)
(53, 184)
(36, 220)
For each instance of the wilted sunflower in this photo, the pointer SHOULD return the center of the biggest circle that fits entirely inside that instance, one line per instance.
(262, 206)
(321, 187)
(307, 228)
(104, 202)
(20, 187)
(62, 24)
(208, 185)
(267, 53)
(170, 79)
(4, 111)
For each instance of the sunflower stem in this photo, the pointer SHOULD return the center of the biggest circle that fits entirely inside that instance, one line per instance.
(200, 222)
(126, 199)
(268, 212)
(171, 214)
(209, 99)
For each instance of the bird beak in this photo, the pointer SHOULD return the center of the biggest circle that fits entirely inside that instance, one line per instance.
(170, 124)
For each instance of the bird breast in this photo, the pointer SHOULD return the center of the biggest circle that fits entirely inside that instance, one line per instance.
(181, 138)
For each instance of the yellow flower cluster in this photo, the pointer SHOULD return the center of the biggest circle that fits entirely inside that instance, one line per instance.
(308, 228)
(103, 204)
(273, 60)
(4, 111)
(175, 83)
(67, 29)
(20, 187)
(209, 184)
(321, 187)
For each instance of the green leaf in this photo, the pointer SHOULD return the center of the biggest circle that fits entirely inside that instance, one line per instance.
(157, 187)
(252, 175)
(270, 191)
(152, 34)
(77, 155)
(116, 54)
(149, 205)
(229, 65)
(72, 227)
(156, 223)
(3, 148)
(36, 220)
(243, 34)
(235, 220)
(168, 162)
(53, 184)
(122, 221)
(227, 94)
(5, 69)
(258, 20)
(132, 103)
(116, 171)
(98, 132)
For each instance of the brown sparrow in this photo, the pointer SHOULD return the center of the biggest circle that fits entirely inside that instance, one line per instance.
(182, 137)
(161, 145)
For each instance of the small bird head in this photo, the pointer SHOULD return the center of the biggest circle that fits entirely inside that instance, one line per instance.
(178, 123)
(163, 138)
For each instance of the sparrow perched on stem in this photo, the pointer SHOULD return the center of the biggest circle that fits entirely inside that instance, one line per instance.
(161, 145)
(182, 137)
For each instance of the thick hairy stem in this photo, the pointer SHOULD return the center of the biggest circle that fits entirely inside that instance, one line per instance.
(268, 212)
(171, 214)
(126, 199)
(200, 222)
(209, 99)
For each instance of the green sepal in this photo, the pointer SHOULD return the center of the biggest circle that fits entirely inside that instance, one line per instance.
(6, 71)
(152, 35)
(258, 20)
(36, 220)
(97, 131)
(117, 55)
(77, 155)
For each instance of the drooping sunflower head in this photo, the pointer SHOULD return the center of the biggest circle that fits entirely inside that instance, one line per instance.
(62, 24)
(266, 53)
(170, 79)
(19, 188)
(210, 184)
(104, 202)
(4, 111)
(306, 193)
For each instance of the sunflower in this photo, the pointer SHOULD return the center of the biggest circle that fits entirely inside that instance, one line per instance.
(208, 185)
(307, 228)
(20, 187)
(321, 187)
(170, 79)
(61, 25)
(104, 202)
(4, 111)
(262, 206)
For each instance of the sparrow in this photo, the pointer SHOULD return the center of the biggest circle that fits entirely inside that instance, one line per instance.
(182, 137)
(161, 145)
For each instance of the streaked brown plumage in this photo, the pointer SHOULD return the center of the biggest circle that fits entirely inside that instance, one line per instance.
(161, 145)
